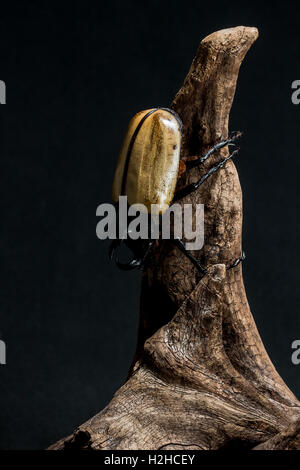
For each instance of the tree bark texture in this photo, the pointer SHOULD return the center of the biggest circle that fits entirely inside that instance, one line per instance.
(201, 378)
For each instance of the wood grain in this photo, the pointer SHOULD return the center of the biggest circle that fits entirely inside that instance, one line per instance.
(201, 378)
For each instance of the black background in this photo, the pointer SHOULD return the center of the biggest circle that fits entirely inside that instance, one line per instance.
(75, 74)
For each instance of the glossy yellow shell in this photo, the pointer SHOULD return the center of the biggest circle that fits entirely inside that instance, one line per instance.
(148, 164)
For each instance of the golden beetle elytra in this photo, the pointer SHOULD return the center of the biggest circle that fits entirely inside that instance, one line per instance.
(148, 164)
(147, 173)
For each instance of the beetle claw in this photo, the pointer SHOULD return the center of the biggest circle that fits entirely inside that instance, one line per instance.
(237, 261)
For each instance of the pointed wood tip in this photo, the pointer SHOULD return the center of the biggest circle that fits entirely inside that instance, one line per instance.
(232, 41)
(231, 37)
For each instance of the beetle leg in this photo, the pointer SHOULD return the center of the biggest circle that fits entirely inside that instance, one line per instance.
(147, 251)
(135, 263)
(230, 142)
(237, 261)
(112, 248)
(180, 244)
(192, 187)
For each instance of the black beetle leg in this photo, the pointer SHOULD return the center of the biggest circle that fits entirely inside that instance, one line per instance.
(135, 263)
(112, 248)
(192, 187)
(180, 244)
(148, 249)
(230, 142)
(237, 261)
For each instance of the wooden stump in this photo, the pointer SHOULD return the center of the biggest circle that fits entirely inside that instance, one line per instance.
(201, 378)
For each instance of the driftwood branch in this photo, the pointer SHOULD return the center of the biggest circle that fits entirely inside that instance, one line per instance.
(201, 378)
